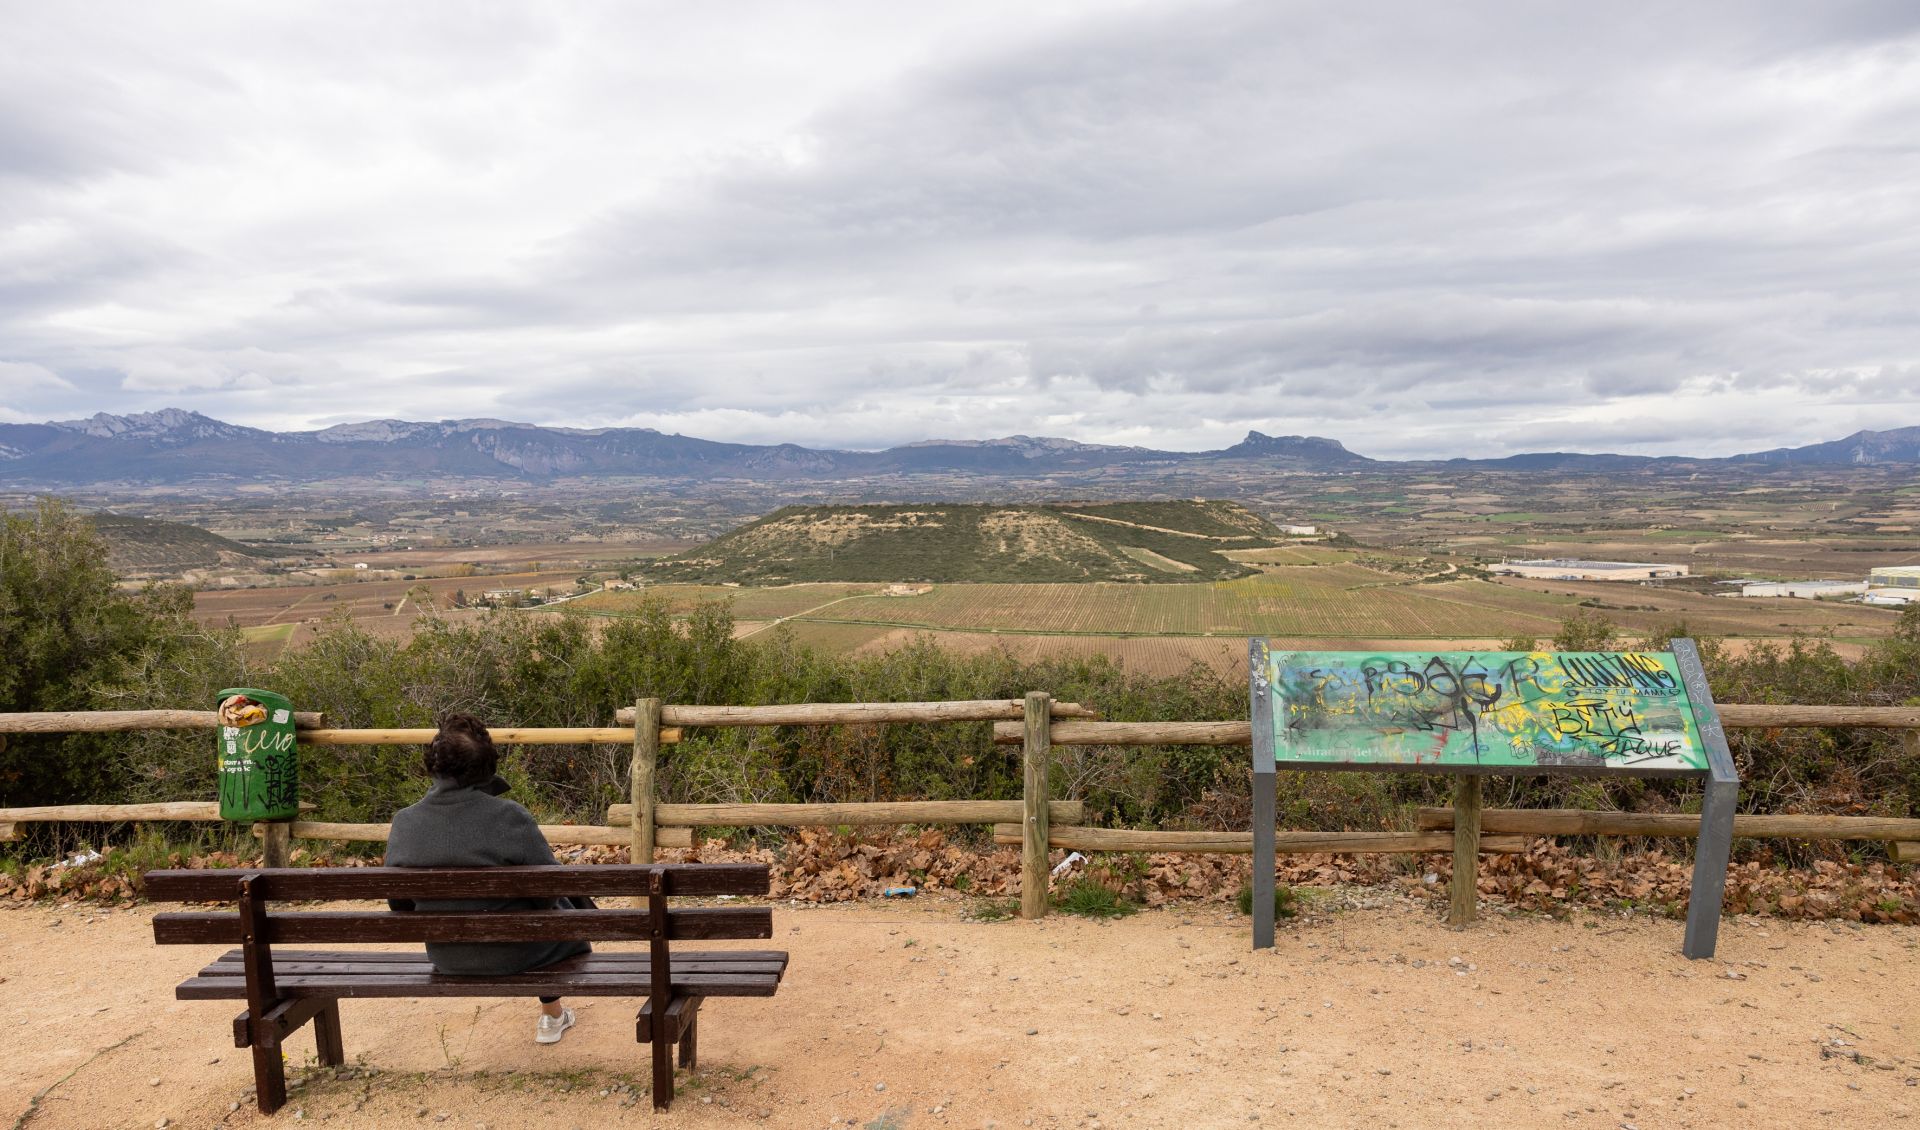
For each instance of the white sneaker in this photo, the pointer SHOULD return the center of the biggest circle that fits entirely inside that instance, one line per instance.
(551, 1028)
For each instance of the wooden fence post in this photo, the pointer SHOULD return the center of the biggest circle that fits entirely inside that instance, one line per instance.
(277, 844)
(1466, 851)
(1037, 753)
(646, 753)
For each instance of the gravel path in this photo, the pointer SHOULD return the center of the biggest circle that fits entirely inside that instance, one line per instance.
(900, 1016)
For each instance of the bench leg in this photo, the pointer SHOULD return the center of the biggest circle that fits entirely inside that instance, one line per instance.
(662, 1045)
(269, 1077)
(326, 1033)
(690, 1037)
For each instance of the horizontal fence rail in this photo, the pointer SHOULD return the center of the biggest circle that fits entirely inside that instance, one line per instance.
(111, 721)
(503, 735)
(1580, 822)
(1135, 733)
(1241, 843)
(850, 713)
(557, 834)
(827, 815)
(1737, 716)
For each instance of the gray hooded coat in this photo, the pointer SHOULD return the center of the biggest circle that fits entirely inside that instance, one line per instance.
(458, 825)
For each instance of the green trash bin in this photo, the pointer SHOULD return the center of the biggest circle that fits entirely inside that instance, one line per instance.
(258, 757)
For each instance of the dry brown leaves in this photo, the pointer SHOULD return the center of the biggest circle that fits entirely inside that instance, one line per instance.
(1548, 875)
(819, 865)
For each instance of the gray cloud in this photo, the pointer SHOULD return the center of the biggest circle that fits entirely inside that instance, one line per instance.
(1425, 231)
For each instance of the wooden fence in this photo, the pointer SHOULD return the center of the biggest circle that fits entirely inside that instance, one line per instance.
(1035, 822)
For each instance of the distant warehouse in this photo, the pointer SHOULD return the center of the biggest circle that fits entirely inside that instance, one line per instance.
(1569, 569)
(1807, 590)
(1895, 584)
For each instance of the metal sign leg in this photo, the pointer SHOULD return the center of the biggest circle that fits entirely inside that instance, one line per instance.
(1710, 860)
(1715, 848)
(1266, 819)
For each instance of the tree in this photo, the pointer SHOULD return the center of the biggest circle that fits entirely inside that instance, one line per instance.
(66, 627)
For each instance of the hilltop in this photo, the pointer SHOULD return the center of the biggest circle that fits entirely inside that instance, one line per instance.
(947, 542)
(137, 546)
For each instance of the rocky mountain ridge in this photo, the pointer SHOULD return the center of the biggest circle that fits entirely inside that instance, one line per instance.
(176, 446)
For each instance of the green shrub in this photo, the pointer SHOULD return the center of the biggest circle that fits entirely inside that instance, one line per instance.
(1286, 902)
(1092, 899)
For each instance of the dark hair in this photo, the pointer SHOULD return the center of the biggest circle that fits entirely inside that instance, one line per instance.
(462, 751)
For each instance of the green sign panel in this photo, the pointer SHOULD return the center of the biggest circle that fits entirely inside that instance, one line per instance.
(1477, 711)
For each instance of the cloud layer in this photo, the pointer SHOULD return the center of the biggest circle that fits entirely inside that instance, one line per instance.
(1428, 230)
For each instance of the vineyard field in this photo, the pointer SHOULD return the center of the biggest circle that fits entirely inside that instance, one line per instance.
(1332, 601)
(748, 603)
(1290, 555)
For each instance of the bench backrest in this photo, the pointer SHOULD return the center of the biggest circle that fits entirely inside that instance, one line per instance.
(255, 922)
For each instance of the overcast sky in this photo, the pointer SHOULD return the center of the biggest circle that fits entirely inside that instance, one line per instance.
(1422, 229)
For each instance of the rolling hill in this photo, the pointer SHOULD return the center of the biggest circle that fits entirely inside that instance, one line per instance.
(137, 546)
(947, 542)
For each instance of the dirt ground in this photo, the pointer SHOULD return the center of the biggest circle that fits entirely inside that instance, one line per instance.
(909, 1015)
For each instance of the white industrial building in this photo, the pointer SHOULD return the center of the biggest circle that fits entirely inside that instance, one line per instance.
(1893, 584)
(1571, 569)
(1806, 590)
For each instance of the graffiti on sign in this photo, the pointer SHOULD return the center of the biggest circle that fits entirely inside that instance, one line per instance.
(1599, 711)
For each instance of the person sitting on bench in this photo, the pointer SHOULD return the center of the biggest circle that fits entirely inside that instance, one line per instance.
(463, 822)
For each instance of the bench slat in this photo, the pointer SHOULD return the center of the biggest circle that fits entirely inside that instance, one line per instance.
(283, 965)
(201, 927)
(515, 985)
(405, 956)
(302, 884)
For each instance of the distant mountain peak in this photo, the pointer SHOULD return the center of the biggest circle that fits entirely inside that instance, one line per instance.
(1261, 445)
(371, 431)
(168, 423)
(1030, 446)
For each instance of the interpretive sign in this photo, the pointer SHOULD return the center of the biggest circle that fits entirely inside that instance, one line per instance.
(1480, 712)
(1473, 713)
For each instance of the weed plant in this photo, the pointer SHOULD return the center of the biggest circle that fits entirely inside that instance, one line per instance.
(1090, 898)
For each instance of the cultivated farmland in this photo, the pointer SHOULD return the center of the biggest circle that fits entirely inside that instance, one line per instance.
(1331, 601)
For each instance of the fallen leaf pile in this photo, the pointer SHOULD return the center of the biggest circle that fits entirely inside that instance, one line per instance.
(114, 877)
(818, 865)
(1548, 875)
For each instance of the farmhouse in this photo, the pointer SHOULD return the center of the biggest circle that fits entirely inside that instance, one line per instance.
(1571, 569)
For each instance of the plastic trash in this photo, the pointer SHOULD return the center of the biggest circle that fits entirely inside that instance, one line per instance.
(899, 892)
(81, 860)
(1062, 867)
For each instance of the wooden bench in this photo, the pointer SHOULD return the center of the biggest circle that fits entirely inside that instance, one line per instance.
(284, 989)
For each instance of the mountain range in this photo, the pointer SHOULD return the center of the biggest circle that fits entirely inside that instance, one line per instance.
(174, 446)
